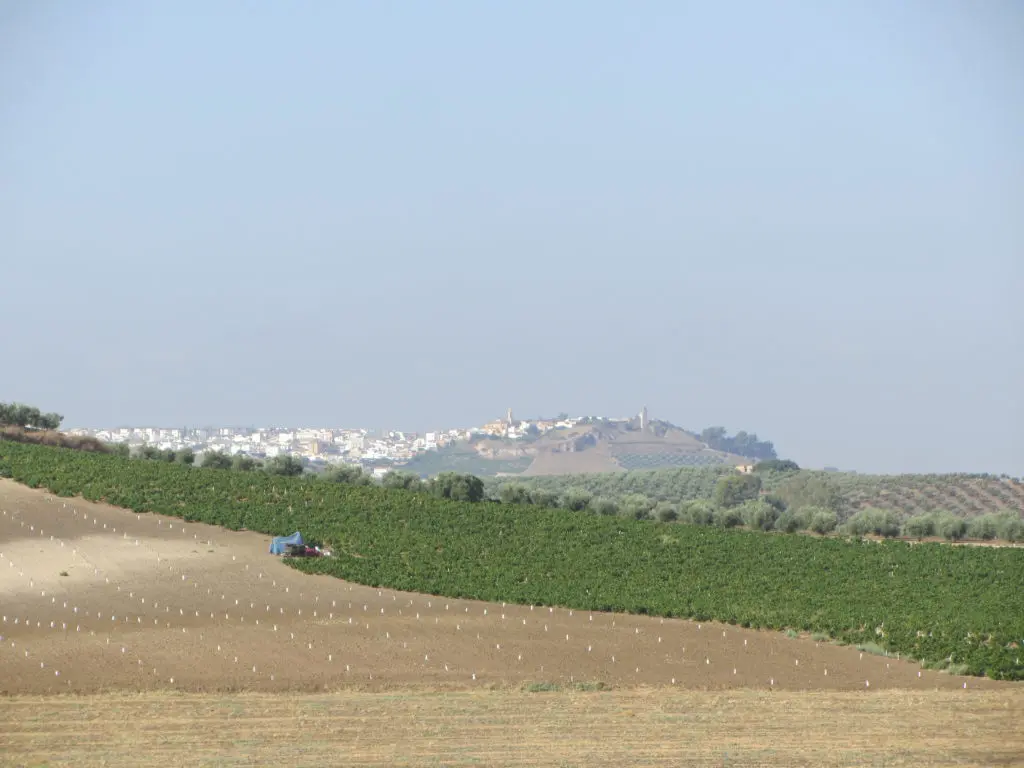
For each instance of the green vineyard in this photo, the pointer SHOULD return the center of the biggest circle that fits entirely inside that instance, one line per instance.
(936, 603)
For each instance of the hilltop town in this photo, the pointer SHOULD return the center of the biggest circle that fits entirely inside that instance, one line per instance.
(507, 445)
(375, 450)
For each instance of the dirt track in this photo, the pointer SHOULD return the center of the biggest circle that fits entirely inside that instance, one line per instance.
(151, 603)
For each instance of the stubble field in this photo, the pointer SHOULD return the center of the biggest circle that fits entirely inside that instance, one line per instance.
(140, 639)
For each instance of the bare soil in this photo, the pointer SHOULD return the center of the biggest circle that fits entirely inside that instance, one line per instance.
(592, 460)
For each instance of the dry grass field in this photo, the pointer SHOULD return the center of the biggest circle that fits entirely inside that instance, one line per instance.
(513, 728)
(142, 640)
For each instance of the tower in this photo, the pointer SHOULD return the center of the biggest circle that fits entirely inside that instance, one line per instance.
(508, 418)
(643, 419)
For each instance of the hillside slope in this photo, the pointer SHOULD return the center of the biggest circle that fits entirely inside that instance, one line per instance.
(401, 638)
(964, 495)
(592, 446)
(932, 602)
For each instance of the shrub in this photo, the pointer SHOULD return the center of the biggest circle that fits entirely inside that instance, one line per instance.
(810, 489)
(185, 456)
(727, 517)
(1005, 524)
(576, 499)
(214, 460)
(950, 527)
(541, 687)
(410, 481)
(665, 512)
(119, 449)
(758, 515)
(823, 521)
(353, 475)
(733, 490)
(514, 493)
(697, 513)
(636, 506)
(776, 465)
(590, 686)
(882, 522)
(543, 498)
(286, 466)
(243, 463)
(602, 505)
(457, 487)
(1012, 528)
(919, 526)
(984, 527)
(873, 648)
(789, 522)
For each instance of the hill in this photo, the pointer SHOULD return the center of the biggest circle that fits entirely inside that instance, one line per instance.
(943, 605)
(591, 446)
(472, 458)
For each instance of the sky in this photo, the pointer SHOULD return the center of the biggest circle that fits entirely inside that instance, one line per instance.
(800, 219)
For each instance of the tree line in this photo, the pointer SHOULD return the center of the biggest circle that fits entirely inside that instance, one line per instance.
(447, 485)
(799, 502)
(741, 444)
(27, 417)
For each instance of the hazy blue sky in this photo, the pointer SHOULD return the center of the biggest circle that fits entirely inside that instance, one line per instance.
(802, 219)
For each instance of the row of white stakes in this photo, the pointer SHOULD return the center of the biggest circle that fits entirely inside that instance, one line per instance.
(99, 615)
(330, 656)
(498, 646)
(309, 646)
(171, 526)
(124, 648)
(550, 609)
(299, 612)
(410, 603)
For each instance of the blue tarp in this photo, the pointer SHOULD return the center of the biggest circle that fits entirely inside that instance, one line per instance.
(280, 543)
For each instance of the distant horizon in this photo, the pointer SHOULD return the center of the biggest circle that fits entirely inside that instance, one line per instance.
(693, 430)
(239, 425)
(797, 219)
(312, 425)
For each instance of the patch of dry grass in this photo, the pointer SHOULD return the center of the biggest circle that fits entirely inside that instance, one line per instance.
(52, 438)
(517, 728)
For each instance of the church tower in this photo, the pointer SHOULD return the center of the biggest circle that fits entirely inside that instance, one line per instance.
(643, 419)
(508, 418)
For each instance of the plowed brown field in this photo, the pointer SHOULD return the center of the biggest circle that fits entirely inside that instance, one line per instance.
(96, 599)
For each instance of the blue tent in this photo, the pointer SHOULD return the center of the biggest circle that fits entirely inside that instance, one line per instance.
(280, 543)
